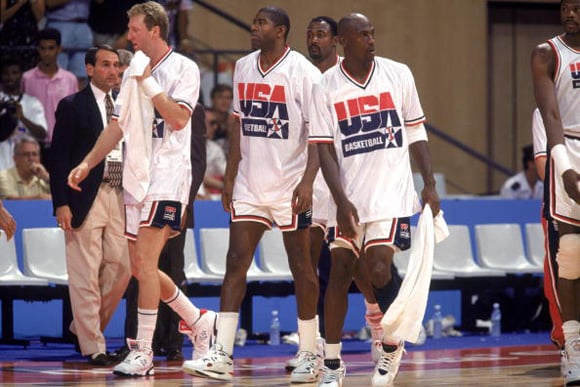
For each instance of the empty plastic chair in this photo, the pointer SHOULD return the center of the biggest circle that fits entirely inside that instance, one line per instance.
(214, 249)
(273, 257)
(10, 274)
(501, 247)
(44, 254)
(454, 255)
(193, 273)
(535, 244)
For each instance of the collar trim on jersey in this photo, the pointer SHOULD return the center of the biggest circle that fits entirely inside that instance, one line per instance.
(163, 58)
(353, 80)
(275, 64)
(561, 39)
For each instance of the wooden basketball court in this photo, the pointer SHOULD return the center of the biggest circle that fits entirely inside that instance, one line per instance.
(527, 365)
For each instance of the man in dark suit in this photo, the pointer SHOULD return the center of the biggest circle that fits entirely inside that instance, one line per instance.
(93, 219)
(167, 341)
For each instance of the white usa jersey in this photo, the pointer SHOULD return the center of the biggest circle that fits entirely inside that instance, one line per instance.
(366, 123)
(273, 108)
(567, 81)
(540, 140)
(170, 170)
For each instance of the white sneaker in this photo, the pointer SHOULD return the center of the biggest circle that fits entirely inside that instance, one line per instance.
(572, 375)
(217, 364)
(333, 378)
(139, 362)
(563, 363)
(293, 362)
(308, 368)
(387, 366)
(374, 324)
(203, 333)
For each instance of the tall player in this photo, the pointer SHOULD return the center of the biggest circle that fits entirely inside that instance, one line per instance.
(550, 232)
(268, 181)
(556, 78)
(368, 115)
(321, 40)
(156, 180)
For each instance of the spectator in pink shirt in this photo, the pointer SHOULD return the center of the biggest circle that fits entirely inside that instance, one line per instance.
(48, 82)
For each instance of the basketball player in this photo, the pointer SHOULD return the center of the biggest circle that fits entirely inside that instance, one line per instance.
(268, 181)
(321, 40)
(155, 205)
(367, 121)
(556, 78)
(550, 232)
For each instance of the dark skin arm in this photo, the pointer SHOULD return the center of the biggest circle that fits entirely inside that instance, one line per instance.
(543, 68)
(232, 166)
(302, 195)
(346, 214)
(422, 157)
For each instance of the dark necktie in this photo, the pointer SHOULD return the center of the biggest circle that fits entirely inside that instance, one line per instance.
(114, 168)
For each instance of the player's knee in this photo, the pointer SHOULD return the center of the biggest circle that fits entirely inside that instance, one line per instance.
(569, 257)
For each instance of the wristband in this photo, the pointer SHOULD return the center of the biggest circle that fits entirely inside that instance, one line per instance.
(560, 157)
(150, 87)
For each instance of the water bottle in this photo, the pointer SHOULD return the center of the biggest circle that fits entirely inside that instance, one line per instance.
(275, 329)
(437, 322)
(495, 321)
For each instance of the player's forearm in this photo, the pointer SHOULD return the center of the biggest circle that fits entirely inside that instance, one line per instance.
(174, 114)
(312, 164)
(331, 172)
(109, 138)
(420, 153)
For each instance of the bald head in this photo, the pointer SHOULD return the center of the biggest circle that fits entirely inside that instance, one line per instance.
(351, 22)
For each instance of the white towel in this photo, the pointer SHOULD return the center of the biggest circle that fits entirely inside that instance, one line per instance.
(136, 119)
(403, 319)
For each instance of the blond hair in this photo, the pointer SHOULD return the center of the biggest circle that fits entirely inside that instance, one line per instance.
(155, 15)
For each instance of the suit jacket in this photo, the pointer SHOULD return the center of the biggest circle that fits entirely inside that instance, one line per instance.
(77, 127)
(198, 157)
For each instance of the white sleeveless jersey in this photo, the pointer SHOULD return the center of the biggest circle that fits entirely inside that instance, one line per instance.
(366, 123)
(179, 77)
(273, 108)
(567, 81)
(540, 140)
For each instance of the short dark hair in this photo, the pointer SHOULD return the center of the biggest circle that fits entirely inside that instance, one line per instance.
(91, 55)
(527, 155)
(8, 61)
(220, 88)
(327, 19)
(50, 34)
(278, 16)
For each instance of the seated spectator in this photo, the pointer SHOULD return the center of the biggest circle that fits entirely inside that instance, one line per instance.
(526, 184)
(48, 82)
(71, 19)
(221, 103)
(19, 28)
(213, 181)
(27, 111)
(28, 179)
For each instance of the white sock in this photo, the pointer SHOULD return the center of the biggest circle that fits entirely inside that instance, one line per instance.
(332, 351)
(146, 320)
(183, 307)
(227, 325)
(571, 329)
(307, 334)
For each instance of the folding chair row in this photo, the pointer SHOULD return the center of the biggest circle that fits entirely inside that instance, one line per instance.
(213, 251)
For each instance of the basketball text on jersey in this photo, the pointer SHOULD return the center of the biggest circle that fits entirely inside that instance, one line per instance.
(368, 123)
(575, 74)
(265, 111)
